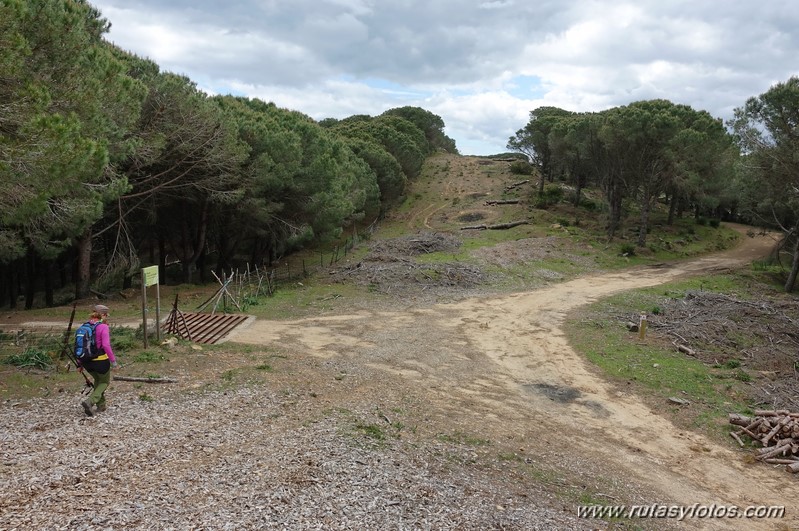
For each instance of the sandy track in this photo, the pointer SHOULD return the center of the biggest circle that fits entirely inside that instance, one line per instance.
(505, 360)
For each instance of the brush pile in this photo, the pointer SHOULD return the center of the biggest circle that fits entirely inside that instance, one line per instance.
(776, 430)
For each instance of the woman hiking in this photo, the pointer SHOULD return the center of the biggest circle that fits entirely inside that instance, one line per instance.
(99, 366)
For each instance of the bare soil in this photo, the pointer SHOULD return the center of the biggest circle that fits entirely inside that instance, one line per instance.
(437, 404)
(501, 366)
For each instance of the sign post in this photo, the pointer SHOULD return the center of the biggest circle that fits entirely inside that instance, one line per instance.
(149, 276)
(642, 326)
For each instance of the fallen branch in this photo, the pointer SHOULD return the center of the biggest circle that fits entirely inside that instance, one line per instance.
(740, 420)
(685, 350)
(776, 430)
(516, 185)
(502, 202)
(735, 436)
(500, 226)
(145, 380)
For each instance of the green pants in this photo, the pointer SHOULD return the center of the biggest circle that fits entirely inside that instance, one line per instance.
(101, 383)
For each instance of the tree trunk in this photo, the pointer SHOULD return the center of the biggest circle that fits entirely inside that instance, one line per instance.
(194, 242)
(3, 288)
(645, 208)
(48, 267)
(30, 278)
(84, 265)
(161, 259)
(791, 282)
(672, 209)
(13, 286)
(578, 190)
(615, 211)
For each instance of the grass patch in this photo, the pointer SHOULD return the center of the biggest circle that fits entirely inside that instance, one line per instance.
(31, 358)
(652, 367)
(149, 356)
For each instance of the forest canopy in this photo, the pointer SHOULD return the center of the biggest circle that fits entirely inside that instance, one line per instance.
(104, 156)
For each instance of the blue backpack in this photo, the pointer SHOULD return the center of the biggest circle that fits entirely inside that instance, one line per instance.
(85, 346)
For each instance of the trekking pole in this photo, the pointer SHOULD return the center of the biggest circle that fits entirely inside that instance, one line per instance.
(67, 332)
(67, 351)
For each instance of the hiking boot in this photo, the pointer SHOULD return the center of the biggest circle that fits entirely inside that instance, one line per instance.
(101, 408)
(87, 407)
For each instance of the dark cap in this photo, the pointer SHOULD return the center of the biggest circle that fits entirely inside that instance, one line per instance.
(100, 308)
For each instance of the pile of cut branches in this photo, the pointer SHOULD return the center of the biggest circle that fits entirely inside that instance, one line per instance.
(776, 430)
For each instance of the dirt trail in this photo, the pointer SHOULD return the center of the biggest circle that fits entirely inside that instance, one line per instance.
(506, 360)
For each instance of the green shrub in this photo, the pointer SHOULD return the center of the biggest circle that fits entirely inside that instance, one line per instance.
(148, 356)
(521, 167)
(123, 338)
(701, 220)
(31, 358)
(713, 222)
(627, 249)
(551, 195)
(589, 204)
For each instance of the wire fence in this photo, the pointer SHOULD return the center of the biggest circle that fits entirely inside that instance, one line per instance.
(241, 287)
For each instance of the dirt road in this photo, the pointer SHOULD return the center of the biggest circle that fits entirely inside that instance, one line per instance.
(504, 366)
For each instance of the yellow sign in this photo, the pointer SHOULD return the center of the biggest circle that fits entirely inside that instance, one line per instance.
(149, 275)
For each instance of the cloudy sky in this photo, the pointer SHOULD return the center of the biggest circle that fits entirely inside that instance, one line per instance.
(482, 65)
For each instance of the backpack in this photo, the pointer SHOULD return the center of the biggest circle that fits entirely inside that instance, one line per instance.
(85, 346)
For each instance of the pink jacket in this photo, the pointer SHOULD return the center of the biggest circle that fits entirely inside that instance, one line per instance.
(102, 338)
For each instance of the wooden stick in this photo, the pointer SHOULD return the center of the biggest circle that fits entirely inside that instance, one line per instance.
(777, 461)
(749, 433)
(774, 413)
(685, 350)
(775, 430)
(145, 380)
(740, 420)
(515, 185)
(735, 436)
(502, 202)
(776, 450)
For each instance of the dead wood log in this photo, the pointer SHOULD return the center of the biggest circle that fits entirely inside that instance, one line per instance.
(774, 413)
(686, 350)
(502, 202)
(780, 461)
(502, 226)
(632, 327)
(735, 436)
(782, 447)
(749, 433)
(679, 401)
(516, 185)
(740, 420)
(793, 467)
(775, 430)
(145, 380)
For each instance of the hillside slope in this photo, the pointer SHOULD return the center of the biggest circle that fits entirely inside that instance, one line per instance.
(430, 385)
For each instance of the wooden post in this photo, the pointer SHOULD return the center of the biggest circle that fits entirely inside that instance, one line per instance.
(158, 311)
(144, 305)
(642, 327)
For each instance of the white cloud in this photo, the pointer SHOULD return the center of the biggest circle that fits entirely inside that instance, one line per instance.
(481, 66)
